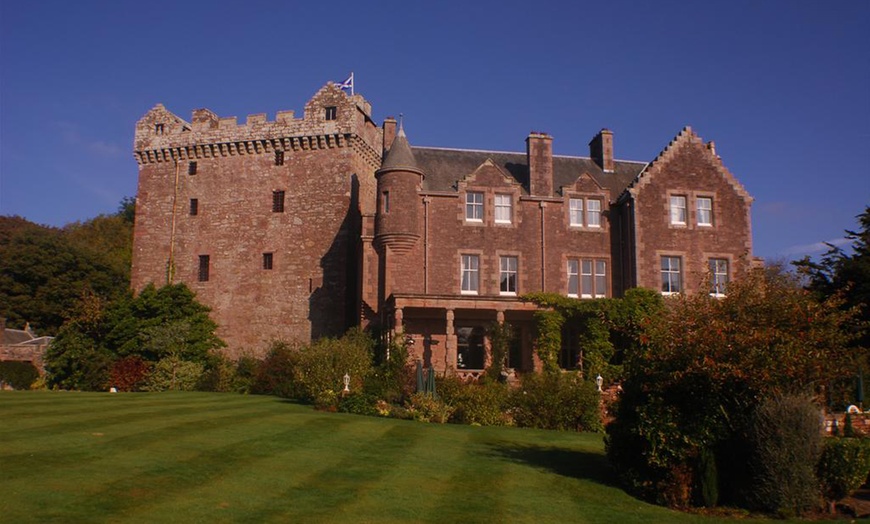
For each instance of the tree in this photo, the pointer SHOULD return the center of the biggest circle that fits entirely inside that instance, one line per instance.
(847, 275)
(704, 366)
(158, 324)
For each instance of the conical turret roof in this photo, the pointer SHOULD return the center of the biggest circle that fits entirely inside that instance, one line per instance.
(400, 157)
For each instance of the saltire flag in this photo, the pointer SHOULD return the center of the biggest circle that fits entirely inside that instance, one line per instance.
(347, 84)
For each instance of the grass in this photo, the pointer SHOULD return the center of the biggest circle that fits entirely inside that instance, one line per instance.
(204, 457)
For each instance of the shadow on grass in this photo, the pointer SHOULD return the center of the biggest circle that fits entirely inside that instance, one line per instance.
(562, 461)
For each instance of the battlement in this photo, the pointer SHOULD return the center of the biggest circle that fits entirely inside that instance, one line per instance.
(331, 119)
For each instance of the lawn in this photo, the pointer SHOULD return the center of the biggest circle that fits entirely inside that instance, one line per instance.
(205, 457)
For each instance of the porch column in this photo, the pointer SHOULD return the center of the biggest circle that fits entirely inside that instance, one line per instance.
(450, 350)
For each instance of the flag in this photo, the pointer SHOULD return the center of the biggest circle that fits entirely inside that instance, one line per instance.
(347, 84)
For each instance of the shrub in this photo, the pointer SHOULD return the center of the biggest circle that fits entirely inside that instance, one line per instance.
(484, 404)
(843, 467)
(219, 375)
(709, 478)
(394, 379)
(129, 373)
(276, 374)
(321, 367)
(423, 407)
(561, 401)
(18, 375)
(786, 442)
(359, 404)
(246, 374)
(172, 374)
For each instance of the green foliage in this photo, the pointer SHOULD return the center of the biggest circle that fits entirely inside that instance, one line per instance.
(394, 379)
(486, 404)
(843, 467)
(423, 407)
(173, 374)
(129, 373)
(276, 375)
(549, 339)
(223, 375)
(709, 478)
(18, 375)
(562, 401)
(500, 337)
(786, 443)
(848, 428)
(323, 364)
(359, 404)
(156, 324)
(44, 271)
(699, 371)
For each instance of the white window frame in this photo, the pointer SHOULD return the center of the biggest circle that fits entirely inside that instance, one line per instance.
(705, 214)
(508, 275)
(678, 209)
(671, 275)
(575, 212)
(719, 276)
(469, 276)
(593, 212)
(600, 278)
(503, 208)
(587, 282)
(573, 277)
(474, 206)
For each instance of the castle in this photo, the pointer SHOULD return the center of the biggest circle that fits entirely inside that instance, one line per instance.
(299, 228)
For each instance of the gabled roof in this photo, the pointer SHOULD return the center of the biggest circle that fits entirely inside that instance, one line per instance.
(686, 137)
(445, 167)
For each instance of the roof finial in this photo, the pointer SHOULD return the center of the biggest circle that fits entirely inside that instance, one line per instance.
(401, 126)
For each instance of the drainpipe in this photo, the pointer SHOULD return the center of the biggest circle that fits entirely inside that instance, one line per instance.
(543, 205)
(170, 270)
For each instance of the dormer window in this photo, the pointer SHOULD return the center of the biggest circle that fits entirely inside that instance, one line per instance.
(158, 129)
(474, 206)
(331, 113)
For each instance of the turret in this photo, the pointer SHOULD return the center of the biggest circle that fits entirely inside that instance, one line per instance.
(399, 181)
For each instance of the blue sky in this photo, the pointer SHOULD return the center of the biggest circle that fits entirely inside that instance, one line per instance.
(782, 87)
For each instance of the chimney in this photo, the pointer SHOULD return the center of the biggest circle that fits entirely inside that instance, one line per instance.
(601, 150)
(389, 132)
(539, 151)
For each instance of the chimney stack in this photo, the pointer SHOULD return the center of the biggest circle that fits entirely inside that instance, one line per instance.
(389, 132)
(539, 151)
(601, 150)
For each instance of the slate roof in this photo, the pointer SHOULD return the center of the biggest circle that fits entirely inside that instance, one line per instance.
(400, 155)
(444, 167)
(16, 336)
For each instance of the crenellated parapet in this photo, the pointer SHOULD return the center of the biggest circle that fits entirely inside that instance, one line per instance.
(332, 119)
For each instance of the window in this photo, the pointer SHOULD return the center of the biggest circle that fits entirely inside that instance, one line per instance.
(194, 206)
(470, 351)
(573, 278)
(158, 129)
(277, 201)
(203, 268)
(718, 276)
(474, 206)
(575, 206)
(191, 168)
(705, 211)
(587, 278)
(331, 113)
(267, 260)
(503, 208)
(508, 275)
(279, 158)
(470, 274)
(678, 209)
(593, 213)
(671, 275)
(386, 201)
(600, 279)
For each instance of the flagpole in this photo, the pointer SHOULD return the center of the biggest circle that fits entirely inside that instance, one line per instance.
(351, 83)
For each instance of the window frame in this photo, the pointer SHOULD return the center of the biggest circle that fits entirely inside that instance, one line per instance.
(472, 207)
(192, 167)
(576, 210)
(194, 207)
(717, 287)
(470, 266)
(330, 113)
(279, 157)
(673, 207)
(593, 213)
(505, 206)
(573, 277)
(702, 212)
(508, 277)
(278, 197)
(268, 261)
(669, 271)
(203, 272)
